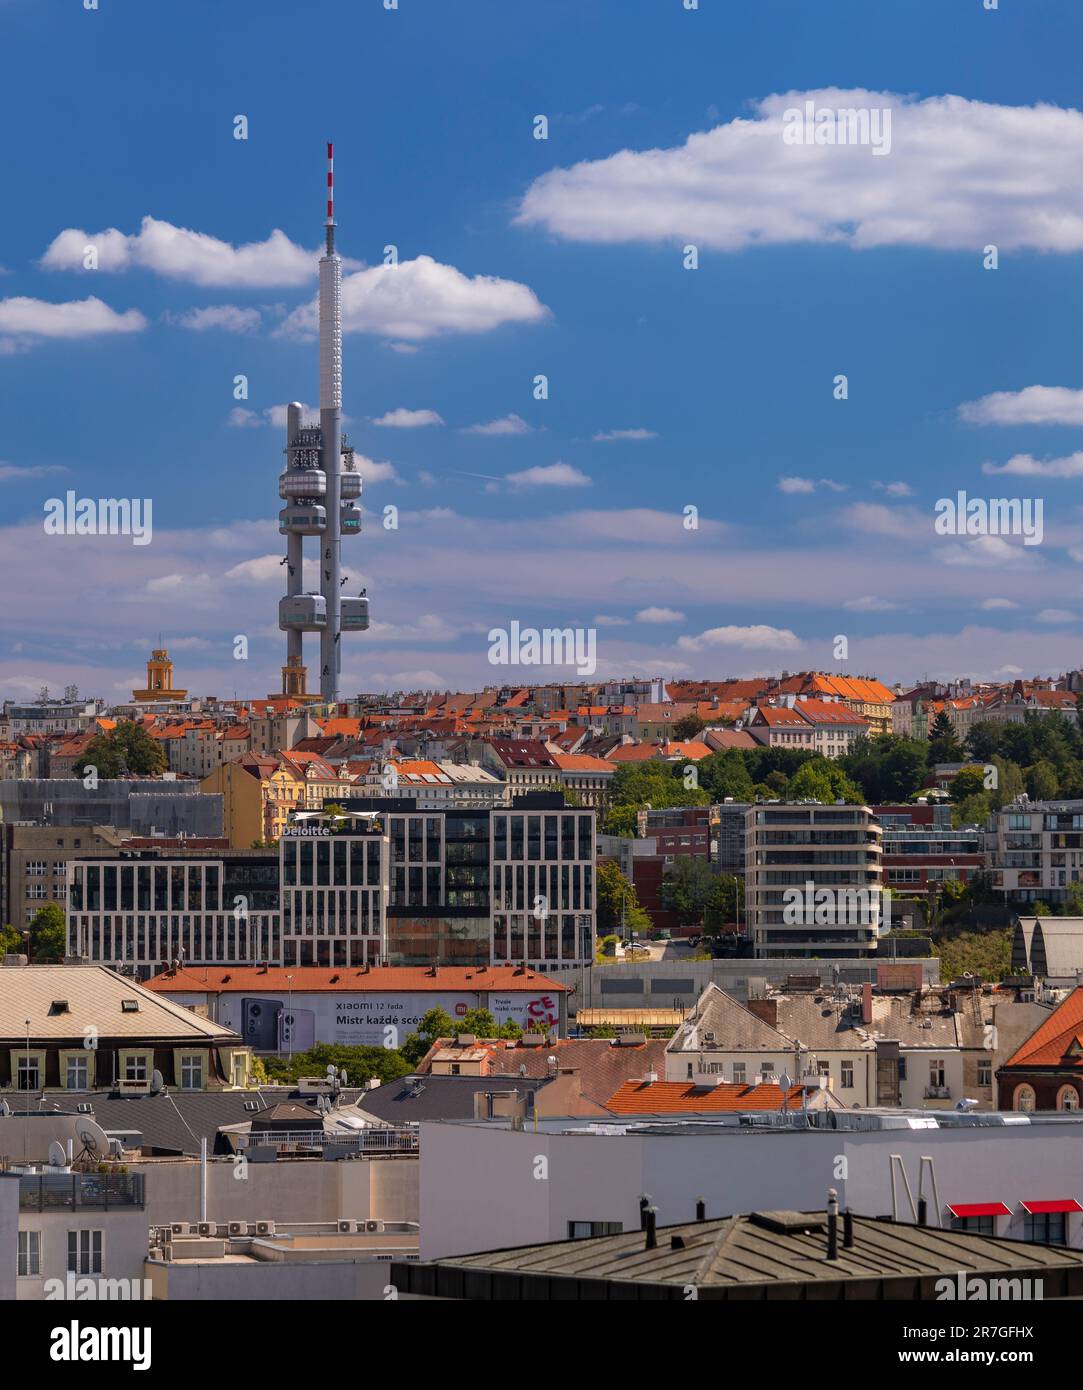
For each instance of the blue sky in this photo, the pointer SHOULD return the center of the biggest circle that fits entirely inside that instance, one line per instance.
(564, 257)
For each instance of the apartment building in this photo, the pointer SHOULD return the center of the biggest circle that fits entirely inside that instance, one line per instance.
(813, 879)
(1035, 849)
(35, 868)
(260, 792)
(921, 849)
(781, 726)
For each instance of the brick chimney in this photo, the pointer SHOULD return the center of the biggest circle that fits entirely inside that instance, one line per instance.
(765, 1009)
(866, 1003)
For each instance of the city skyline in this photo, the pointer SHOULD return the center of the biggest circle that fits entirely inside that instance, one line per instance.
(565, 257)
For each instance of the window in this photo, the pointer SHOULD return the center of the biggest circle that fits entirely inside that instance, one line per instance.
(936, 1071)
(84, 1252)
(29, 1072)
(135, 1066)
(847, 1076)
(985, 1072)
(1023, 1098)
(976, 1225)
(76, 1074)
(1067, 1098)
(583, 1230)
(191, 1077)
(1046, 1227)
(739, 1073)
(29, 1253)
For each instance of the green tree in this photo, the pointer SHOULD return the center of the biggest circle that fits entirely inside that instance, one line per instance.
(687, 727)
(435, 1024)
(48, 934)
(687, 887)
(944, 747)
(984, 740)
(967, 782)
(359, 1063)
(726, 774)
(988, 954)
(823, 780)
(11, 943)
(1042, 781)
(482, 1024)
(127, 750)
(621, 820)
(618, 907)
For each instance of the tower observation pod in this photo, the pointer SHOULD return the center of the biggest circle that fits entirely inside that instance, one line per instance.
(320, 487)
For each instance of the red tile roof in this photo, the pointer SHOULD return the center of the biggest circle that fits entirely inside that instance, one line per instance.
(314, 978)
(685, 1098)
(1049, 1045)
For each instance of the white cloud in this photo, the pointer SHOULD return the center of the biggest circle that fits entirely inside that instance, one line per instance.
(607, 620)
(240, 418)
(607, 436)
(869, 604)
(549, 475)
(895, 489)
(878, 520)
(403, 419)
(182, 254)
(659, 615)
(995, 604)
(421, 298)
(790, 483)
(960, 174)
(1027, 466)
(77, 318)
(375, 470)
(759, 636)
(12, 471)
(987, 550)
(1055, 615)
(1034, 405)
(229, 318)
(507, 424)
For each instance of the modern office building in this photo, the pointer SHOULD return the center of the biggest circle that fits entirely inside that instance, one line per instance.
(489, 886)
(144, 907)
(477, 887)
(813, 879)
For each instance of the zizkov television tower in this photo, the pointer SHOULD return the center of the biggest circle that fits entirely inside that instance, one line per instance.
(320, 487)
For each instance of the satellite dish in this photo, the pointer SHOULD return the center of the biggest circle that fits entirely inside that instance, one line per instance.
(331, 1070)
(58, 1157)
(342, 1077)
(92, 1137)
(5, 1108)
(157, 1081)
(784, 1082)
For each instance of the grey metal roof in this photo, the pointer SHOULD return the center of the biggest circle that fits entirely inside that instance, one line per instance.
(173, 1122)
(439, 1097)
(762, 1255)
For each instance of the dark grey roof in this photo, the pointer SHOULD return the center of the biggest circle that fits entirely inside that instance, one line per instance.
(439, 1097)
(764, 1255)
(173, 1122)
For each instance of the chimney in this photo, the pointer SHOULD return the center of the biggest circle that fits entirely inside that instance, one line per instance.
(644, 1203)
(866, 1003)
(701, 1209)
(832, 1224)
(765, 1010)
(652, 1228)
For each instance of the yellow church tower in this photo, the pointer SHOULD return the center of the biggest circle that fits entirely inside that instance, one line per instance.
(159, 679)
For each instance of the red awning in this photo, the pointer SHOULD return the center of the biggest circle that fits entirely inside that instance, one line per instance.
(978, 1209)
(1058, 1204)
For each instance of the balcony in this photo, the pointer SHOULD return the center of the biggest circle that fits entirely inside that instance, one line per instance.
(84, 1191)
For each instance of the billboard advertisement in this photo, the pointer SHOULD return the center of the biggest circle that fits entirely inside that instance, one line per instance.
(368, 1019)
